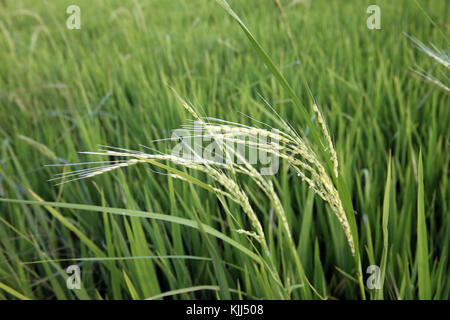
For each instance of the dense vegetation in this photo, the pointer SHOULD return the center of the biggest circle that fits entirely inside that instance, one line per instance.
(110, 83)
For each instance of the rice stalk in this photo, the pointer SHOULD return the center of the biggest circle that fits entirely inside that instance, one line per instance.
(441, 56)
(290, 147)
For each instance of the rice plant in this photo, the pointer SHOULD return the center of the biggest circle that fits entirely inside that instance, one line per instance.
(293, 148)
(441, 56)
(303, 161)
(349, 202)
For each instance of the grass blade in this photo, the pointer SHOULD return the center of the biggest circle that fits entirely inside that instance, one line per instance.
(423, 267)
(142, 214)
(13, 292)
(387, 193)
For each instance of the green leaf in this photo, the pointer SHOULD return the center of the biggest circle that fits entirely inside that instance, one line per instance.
(387, 189)
(13, 292)
(143, 214)
(422, 239)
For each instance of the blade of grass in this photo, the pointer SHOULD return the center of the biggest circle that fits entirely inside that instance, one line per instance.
(131, 288)
(379, 292)
(272, 67)
(101, 259)
(142, 214)
(183, 290)
(423, 268)
(13, 292)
